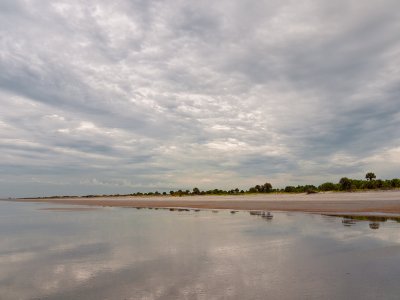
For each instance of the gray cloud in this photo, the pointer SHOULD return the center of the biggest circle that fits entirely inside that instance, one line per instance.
(136, 95)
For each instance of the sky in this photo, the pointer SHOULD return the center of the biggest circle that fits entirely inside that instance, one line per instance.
(125, 96)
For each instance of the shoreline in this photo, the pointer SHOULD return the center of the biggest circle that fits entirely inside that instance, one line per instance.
(371, 203)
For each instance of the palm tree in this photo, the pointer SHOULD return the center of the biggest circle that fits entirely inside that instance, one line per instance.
(370, 176)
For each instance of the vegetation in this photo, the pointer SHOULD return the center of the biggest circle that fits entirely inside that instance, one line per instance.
(368, 218)
(344, 184)
(370, 176)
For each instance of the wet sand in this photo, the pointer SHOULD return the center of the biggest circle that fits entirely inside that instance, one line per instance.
(67, 209)
(357, 202)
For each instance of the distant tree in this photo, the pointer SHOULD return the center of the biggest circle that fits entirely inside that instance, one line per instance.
(357, 183)
(196, 191)
(327, 186)
(266, 187)
(379, 184)
(370, 184)
(290, 189)
(253, 190)
(345, 184)
(387, 184)
(370, 176)
(395, 182)
(309, 188)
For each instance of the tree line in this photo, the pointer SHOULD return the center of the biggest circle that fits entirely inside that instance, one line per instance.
(344, 184)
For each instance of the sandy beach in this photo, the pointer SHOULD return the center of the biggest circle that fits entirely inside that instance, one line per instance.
(373, 202)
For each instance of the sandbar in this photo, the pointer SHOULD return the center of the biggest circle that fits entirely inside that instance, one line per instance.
(331, 202)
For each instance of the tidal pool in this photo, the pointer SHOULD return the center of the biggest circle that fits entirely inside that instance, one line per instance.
(126, 253)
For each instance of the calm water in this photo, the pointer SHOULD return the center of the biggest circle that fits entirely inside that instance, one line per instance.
(124, 253)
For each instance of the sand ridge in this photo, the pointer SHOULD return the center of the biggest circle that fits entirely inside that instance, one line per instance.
(356, 202)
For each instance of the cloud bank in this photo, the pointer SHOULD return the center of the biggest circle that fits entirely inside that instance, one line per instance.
(121, 96)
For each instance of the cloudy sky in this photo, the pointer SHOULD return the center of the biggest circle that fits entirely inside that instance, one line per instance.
(137, 95)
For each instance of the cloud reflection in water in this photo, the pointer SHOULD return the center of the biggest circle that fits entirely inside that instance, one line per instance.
(116, 253)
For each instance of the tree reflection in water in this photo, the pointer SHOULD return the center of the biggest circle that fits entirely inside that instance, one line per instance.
(348, 222)
(263, 214)
(374, 225)
(375, 221)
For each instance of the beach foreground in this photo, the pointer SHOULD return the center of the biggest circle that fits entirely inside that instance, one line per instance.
(375, 202)
(62, 252)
